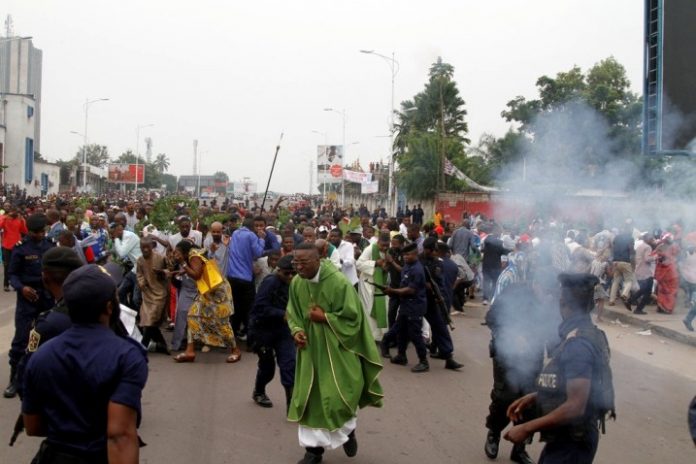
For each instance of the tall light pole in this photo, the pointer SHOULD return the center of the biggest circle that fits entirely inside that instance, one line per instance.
(84, 144)
(342, 113)
(137, 153)
(394, 66)
(323, 184)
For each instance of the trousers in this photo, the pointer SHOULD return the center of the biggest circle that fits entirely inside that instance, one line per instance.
(407, 329)
(243, 294)
(571, 452)
(644, 294)
(439, 330)
(280, 350)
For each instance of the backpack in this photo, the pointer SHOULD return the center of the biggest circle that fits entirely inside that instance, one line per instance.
(602, 396)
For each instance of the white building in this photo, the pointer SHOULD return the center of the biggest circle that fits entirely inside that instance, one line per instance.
(20, 74)
(17, 124)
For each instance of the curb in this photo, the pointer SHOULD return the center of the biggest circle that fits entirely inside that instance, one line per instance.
(629, 318)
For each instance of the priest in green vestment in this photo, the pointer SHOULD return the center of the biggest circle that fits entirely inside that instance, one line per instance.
(372, 268)
(337, 360)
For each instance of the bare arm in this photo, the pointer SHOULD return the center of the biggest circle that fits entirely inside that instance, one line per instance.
(577, 394)
(34, 425)
(122, 434)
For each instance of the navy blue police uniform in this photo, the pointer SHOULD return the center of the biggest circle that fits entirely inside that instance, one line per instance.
(412, 308)
(70, 381)
(577, 357)
(270, 335)
(394, 282)
(25, 271)
(440, 333)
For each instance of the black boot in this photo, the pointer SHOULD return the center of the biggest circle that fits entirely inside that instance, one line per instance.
(262, 399)
(351, 446)
(312, 456)
(422, 366)
(519, 454)
(491, 447)
(399, 359)
(384, 349)
(11, 390)
(452, 364)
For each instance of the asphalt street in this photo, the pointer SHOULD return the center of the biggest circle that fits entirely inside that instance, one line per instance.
(203, 413)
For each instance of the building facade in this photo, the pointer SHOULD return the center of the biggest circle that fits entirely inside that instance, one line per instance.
(17, 131)
(20, 74)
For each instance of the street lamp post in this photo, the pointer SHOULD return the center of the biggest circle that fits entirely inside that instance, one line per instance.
(342, 113)
(394, 66)
(84, 145)
(137, 153)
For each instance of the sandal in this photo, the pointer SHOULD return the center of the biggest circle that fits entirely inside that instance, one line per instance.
(184, 358)
(235, 356)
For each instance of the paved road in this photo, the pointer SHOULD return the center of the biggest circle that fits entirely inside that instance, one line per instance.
(202, 413)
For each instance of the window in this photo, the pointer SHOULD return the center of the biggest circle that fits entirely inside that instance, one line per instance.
(30, 111)
(28, 160)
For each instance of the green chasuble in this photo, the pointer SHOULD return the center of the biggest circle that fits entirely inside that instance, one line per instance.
(336, 372)
(379, 305)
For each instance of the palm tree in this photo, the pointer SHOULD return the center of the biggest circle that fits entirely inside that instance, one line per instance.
(161, 163)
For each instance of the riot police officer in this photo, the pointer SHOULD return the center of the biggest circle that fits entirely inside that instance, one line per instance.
(270, 335)
(434, 314)
(87, 414)
(56, 265)
(574, 389)
(517, 351)
(32, 299)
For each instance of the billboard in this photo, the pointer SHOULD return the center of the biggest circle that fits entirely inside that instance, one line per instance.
(244, 187)
(125, 173)
(329, 164)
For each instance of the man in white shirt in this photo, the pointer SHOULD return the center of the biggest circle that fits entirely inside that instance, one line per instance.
(346, 255)
(185, 232)
(127, 249)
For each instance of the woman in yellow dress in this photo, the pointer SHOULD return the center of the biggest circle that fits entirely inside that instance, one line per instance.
(209, 316)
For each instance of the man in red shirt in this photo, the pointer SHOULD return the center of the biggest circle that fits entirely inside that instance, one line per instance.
(13, 227)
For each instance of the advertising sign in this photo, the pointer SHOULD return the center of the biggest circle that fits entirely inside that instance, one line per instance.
(369, 187)
(358, 177)
(125, 173)
(329, 164)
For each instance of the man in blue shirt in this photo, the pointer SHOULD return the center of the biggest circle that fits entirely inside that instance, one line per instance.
(413, 303)
(245, 247)
(83, 388)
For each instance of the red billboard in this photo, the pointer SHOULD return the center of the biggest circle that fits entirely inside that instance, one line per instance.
(125, 173)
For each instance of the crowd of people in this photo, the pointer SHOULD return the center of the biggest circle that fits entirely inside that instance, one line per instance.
(277, 281)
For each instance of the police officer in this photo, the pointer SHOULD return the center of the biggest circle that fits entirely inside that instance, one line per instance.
(570, 388)
(56, 265)
(270, 334)
(32, 299)
(517, 351)
(441, 336)
(413, 303)
(82, 390)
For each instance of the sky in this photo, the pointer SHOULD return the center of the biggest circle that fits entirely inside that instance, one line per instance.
(235, 75)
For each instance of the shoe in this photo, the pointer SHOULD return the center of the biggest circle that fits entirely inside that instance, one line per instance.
(452, 364)
(612, 303)
(242, 337)
(399, 359)
(491, 447)
(688, 325)
(627, 304)
(10, 391)
(519, 454)
(310, 458)
(262, 400)
(351, 446)
(438, 356)
(662, 311)
(639, 311)
(384, 349)
(7, 288)
(484, 302)
(422, 366)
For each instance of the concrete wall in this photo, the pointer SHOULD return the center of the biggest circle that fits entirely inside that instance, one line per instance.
(18, 127)
(52, 171)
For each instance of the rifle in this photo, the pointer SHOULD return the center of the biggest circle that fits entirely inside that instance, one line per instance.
(19, 426)
(439, 301)
(378, 287)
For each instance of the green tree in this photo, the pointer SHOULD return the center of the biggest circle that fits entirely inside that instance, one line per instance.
(170, 181)
(161, 163)
(604, 88)
(97, 155)
(221, 177)
(437, 109)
